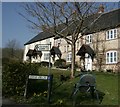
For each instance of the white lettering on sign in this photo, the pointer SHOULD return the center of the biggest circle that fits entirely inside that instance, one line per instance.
(38, 77)
(42, 47)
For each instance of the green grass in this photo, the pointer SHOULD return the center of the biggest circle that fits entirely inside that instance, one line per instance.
(106, 83)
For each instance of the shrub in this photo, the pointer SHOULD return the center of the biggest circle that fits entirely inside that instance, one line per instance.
(39, 98)
(60, 63)
(60, 102)
(14, 77)
(45, 64)
(5, 61)
(109, 70)
(69, 66)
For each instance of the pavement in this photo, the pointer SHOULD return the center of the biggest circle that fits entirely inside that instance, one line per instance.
(5, 102)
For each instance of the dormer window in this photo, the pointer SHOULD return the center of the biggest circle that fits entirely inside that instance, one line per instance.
(111, 34)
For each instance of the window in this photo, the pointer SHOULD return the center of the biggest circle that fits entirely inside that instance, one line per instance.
(46, 56)
(111, 57)
(89, 39)
(111, 34)
(59, 41)
(78, 45)
(67, 48)
(69, 57)
(64, 48)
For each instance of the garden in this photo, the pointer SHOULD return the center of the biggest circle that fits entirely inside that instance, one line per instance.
(14, 79)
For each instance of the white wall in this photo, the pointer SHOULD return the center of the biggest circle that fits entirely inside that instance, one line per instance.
(32, 45)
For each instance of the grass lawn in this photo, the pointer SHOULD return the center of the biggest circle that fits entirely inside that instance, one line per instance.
(107, 83)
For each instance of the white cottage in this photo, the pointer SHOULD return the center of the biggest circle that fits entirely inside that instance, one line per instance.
(103, 37)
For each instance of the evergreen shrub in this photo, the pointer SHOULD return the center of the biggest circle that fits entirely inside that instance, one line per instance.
(14, 77)
(45, 64)
(60, 63)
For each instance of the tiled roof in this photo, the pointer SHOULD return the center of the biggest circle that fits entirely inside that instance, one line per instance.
(39, 37)
(33, 52)
(55, 50)
(107, 20)
(86, 49)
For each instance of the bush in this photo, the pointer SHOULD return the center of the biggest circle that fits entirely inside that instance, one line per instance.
(109, 70)
(70, 65)
(14, 77)
(60, 63)
(40, 98)
(45, 64)
(5, 61)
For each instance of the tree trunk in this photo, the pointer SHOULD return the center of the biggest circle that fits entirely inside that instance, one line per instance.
(73, 61)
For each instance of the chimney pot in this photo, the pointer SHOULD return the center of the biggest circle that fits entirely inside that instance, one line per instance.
(101, 9)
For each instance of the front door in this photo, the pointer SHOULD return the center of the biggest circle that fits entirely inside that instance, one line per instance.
(88, 62)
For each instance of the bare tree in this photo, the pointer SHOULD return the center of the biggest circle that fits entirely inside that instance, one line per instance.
(68, 20)
(12, 49)
(99, 48)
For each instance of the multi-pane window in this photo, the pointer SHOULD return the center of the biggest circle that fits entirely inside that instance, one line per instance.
(111, 57)
(89, 39)
(69, 57)
(64, 48)
(111, 34)
(68, 48)
(46, 56)
(59, 41)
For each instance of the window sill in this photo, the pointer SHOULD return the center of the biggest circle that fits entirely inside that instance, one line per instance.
(111, 63)
(111, 39)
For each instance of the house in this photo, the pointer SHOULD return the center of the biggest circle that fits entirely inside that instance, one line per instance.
(43, 38)
(103, 37)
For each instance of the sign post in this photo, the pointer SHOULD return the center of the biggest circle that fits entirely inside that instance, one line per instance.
(49, 78)
(47, 47)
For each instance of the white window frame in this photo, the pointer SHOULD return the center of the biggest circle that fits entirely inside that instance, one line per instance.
(111, 34)
(59, 41)
(89, 39)
(78, 44)
(69, 57)
(46, 56)
(111, 57)
(65, 48)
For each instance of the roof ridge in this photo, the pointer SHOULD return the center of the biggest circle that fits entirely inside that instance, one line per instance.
(111, 11)
(44, 35)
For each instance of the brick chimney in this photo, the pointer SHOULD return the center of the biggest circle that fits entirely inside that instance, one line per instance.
(101, 9)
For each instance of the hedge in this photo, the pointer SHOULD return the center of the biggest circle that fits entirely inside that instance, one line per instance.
(45, 64)
(60, 63)
(14, 77)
